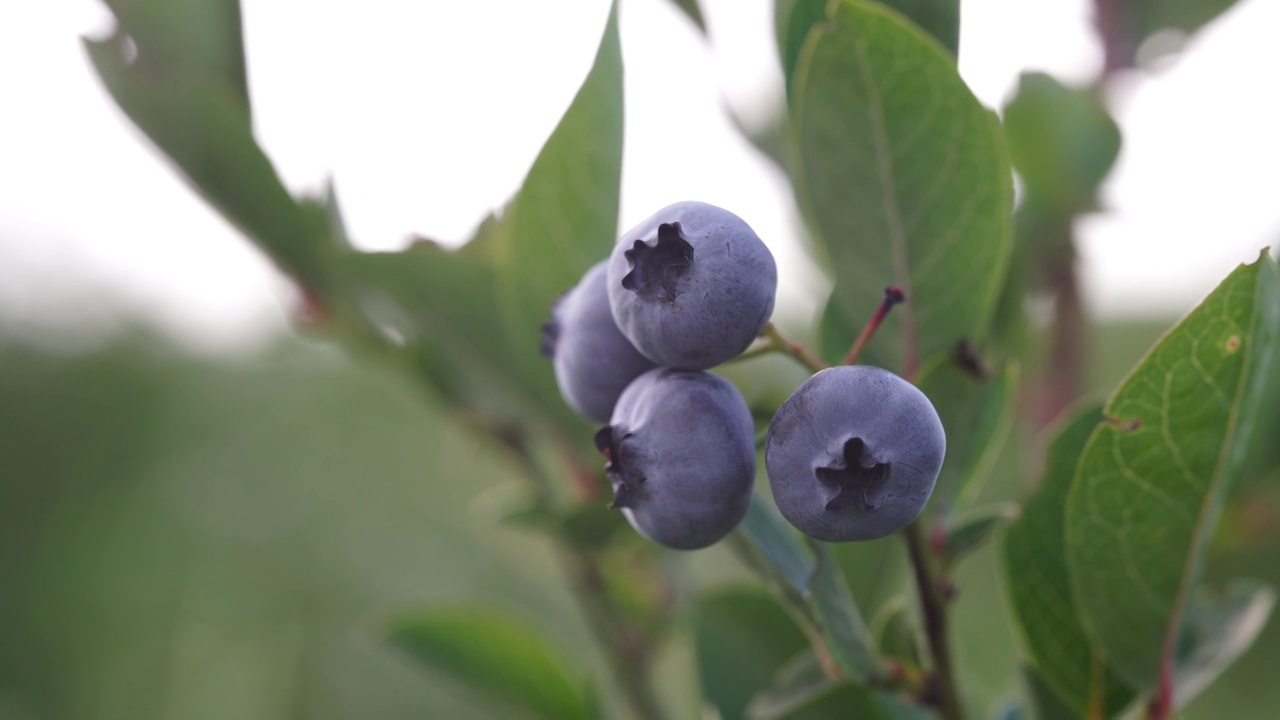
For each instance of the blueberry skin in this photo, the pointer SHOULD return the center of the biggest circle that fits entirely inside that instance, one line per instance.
(854, 454)
(692, 286)
(682, 457)
(593, 361)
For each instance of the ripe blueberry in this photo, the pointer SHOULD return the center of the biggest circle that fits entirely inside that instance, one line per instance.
(593, 361)
(691, 286)
(682, 458)
(854, 454)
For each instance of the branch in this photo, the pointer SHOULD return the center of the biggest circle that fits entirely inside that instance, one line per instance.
(780, 343)
(892, 296)
(626, 647)
(933, 607)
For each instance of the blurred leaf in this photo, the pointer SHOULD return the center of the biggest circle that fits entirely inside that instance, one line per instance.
(905, 180)
(442, 307)
(191, 39)
(875, 571)
(1151, 481)
(975, 529)
(848, 639)
(1219, 629)
(590, 527)
(895, 632)
(693, 12)
(1131, 23)
(741, 638)
(811, 581)
(796, 685)
(939, 18)
(495, 657)
(1064, 668)
(202, 123)
(565, 217)
(792, 21)
(977, 413)
(800, 691)
(1048, 705)
(775, 540)
(1062, 142)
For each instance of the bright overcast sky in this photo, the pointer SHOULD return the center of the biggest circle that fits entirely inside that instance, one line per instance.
(428, 114)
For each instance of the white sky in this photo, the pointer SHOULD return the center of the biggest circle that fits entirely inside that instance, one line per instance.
(428, 114)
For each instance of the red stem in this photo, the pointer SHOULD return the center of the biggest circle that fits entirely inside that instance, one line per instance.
(892, 296)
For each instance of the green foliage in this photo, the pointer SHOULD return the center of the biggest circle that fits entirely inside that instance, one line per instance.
(192, 105)
(1151, 480)
(741, 640)
(904, 178)
(494, 656)
(565, 217)
(905, 181)
(811, 581)
(1219, 628)
(1061, 175)
(977, 409)
(1064, 668)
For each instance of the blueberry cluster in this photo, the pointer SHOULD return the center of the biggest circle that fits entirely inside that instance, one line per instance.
(852, 455)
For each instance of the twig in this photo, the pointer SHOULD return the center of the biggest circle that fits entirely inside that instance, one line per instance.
(892, 296)
(934, 609)
(626, 649)
(781, 343)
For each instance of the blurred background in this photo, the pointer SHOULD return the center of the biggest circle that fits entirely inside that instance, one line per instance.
(201, 506)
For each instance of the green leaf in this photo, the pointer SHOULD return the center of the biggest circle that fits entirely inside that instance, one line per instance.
(741, 638)
(201, 121)
(1151, 481)
(939, 18)
(793, 19)
(1062, 142)
(494, 656)
(1045, 700)
(896, 632)
(975, 528)
(796, 685)
(194, 39)
(977, 412)
(801, 691)
(773, 539)
(810, 581)
(443, 307)
(849, 641)
(1058, 653)
(1220, 627)
(905, 180)
(565, 217)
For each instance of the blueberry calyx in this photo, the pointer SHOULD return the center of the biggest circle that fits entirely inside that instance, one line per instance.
(857, 479)
(657, 267)
(625, 481)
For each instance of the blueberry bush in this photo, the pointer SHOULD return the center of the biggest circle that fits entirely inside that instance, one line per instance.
(663, 386)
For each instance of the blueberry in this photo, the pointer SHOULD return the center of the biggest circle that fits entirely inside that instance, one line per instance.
(593, 361)
(854, 454)
(682, 457)
(691, 286)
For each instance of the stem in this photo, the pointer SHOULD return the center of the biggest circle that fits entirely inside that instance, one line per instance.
(892, 296)
(626, 648)
(934, 609)
(780, 343)
(1161, 705)
(1064, 376)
